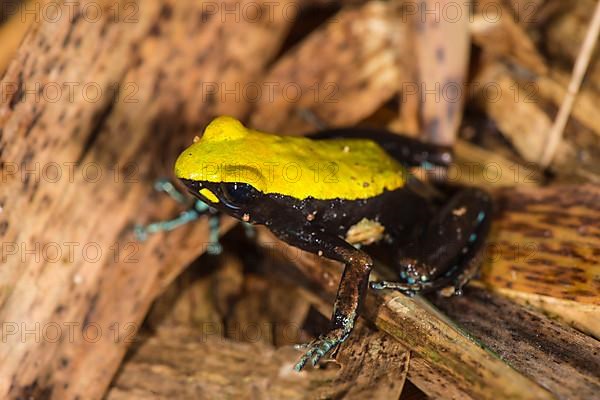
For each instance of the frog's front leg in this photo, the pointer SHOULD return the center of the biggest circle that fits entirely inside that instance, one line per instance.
(448, 253)
(350, 292)
(194, 211)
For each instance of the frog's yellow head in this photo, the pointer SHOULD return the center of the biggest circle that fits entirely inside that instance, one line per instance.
(225, 153)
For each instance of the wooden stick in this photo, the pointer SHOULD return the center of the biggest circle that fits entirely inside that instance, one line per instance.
(156, 64)
(443, 49)
(581, 65)
(545, 251)
(560, 358)
(341, 72)
(183, 363)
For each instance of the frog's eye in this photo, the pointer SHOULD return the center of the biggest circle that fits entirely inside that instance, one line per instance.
(236, 195)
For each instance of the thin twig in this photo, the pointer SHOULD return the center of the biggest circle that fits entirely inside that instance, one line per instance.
(581, 64)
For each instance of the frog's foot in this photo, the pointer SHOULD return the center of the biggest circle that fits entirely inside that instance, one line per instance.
(411, 289)
(449, 252)
(414, 277)
(143, 231)
(406, 288)
(320, 347)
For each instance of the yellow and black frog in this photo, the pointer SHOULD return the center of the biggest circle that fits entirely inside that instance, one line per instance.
(337, 193)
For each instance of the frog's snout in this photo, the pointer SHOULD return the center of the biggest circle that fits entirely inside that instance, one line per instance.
(192, 186)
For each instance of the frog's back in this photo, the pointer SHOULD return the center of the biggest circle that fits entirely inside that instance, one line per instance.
(343, 168)
(294, 166)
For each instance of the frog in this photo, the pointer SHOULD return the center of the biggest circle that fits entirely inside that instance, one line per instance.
(338, 193)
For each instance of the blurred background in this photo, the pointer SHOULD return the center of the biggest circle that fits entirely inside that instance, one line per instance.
(98, 97)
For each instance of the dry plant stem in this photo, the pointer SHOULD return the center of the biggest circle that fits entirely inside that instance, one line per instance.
(442, 47)
(490, 170)
(581, 65)
(505, 38)
(583, 317)
(545, 251)
(523, 117)
(409, 119)
(159, 63)
(434, 383)
(219, 304)
(182, 363)
(185, 363)
(547, 242)
(344, 71)
(556, 356)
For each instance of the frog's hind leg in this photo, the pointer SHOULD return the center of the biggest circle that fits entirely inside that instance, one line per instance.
(448, 254)
(350, 292)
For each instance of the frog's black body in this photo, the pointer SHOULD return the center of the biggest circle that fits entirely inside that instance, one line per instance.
(437, 234)
(331, 216)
